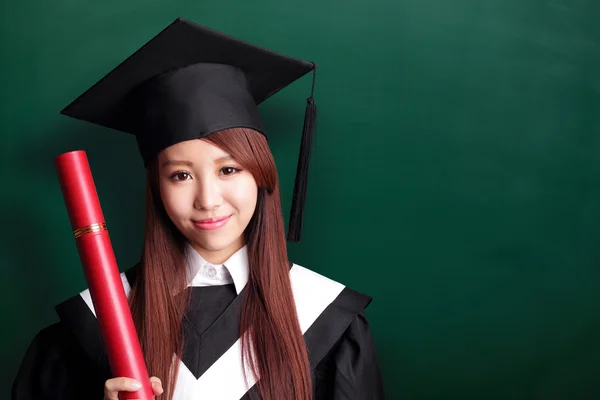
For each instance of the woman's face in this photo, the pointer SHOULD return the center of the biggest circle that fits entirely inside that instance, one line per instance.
(208, 196)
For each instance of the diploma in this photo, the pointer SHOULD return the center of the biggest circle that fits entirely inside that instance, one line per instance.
(101, 272)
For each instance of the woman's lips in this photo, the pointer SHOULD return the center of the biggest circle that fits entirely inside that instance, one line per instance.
(212, 223)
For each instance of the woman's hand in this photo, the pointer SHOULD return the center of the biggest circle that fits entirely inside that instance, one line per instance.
(113, 386)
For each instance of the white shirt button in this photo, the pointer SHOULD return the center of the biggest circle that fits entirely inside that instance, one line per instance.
(211, 272)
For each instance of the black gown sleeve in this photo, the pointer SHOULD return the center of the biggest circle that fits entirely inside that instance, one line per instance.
(350, 371)
(56, 367)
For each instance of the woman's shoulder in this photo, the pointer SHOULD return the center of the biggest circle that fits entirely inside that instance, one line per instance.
(310, 283)
(341, 348)
(81, 303)
(78, 317)
(326, 309)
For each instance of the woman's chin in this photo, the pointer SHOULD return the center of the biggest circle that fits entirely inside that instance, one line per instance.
(217, 244)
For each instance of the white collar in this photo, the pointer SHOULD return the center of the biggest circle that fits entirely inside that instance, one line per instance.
(203, 273)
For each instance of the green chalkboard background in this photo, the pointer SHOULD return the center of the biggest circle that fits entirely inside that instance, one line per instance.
(456, 177)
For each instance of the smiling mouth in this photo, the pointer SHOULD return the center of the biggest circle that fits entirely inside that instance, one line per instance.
(212, 223)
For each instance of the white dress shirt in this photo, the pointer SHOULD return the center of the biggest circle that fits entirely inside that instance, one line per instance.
(203, 273)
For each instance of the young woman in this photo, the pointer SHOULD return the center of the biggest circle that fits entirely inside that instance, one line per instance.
(220, 311)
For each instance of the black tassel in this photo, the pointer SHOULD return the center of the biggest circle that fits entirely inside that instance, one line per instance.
(300, 185)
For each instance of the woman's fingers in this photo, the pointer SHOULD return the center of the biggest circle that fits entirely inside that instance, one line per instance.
(113, 386)
(156, 385)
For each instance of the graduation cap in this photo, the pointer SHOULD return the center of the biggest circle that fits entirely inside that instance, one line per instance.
(190, 81)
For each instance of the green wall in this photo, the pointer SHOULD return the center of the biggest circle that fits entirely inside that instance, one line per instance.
(455, 179)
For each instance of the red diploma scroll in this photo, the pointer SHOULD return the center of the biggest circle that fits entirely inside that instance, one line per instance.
(101, 272)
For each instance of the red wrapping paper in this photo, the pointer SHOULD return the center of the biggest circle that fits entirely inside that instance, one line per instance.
(101, 272)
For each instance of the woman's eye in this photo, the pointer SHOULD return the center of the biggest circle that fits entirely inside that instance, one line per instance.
(229, 170)
(180, 176)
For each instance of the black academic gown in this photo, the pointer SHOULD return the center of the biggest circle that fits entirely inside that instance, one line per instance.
(67, 360)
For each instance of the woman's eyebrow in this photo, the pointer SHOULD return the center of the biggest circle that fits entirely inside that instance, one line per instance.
(191, 164)
(224, 158)
(177, 162)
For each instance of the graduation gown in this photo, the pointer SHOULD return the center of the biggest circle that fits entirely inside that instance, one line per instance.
(67, 360)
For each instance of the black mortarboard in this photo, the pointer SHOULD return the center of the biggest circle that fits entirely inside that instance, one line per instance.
(190, 81)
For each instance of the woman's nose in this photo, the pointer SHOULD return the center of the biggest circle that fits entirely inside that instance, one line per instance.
(208, 195)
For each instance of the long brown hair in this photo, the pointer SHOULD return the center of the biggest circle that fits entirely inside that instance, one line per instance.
(273, 346)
